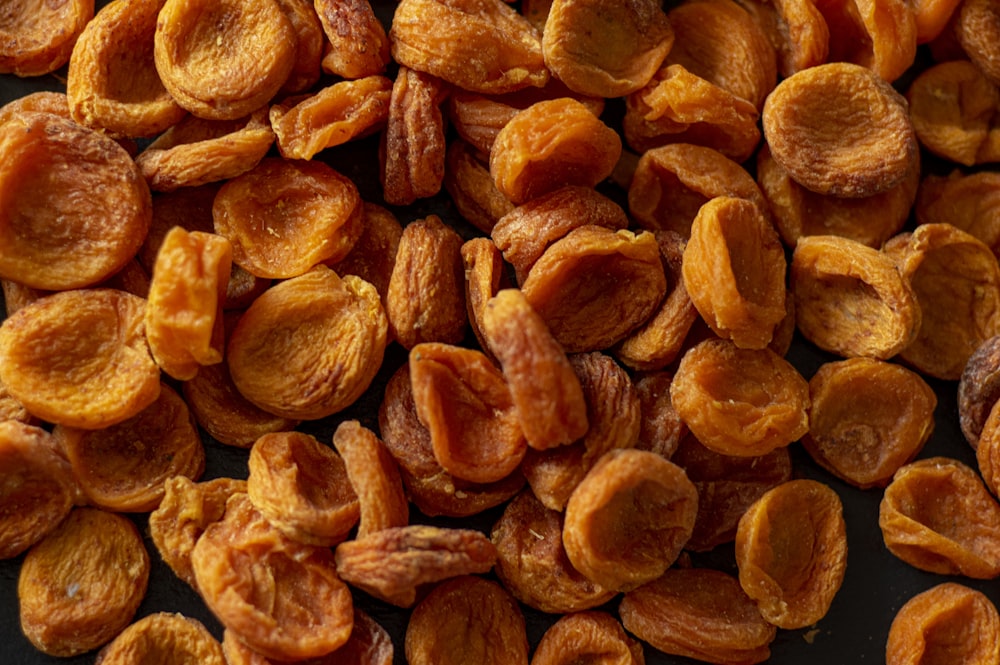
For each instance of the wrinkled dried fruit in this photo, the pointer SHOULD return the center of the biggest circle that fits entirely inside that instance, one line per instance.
(970, 202)
(374, 253)
(977, 26)
(587, 637)
(797, 30)
(880, 35)
(309, 43)
(485, 276)
(374, 475)
(165, 638)
(660, 428)
(37, 37)
(988, 451)
(979, 389)
(357, 43)
(467, 180)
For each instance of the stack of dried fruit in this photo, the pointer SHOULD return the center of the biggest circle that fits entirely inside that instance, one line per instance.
(532, 360)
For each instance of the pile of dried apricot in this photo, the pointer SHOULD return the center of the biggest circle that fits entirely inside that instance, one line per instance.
(474, 331)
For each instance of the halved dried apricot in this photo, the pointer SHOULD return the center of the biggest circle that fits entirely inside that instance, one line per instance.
(37, 37)
(357, 45)
(163, 637)
(979, 389)
(581, 636)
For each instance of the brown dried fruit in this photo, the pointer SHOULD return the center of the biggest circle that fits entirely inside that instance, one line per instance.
(797, 30)
(357, 43)
(988, 451)
(979, 389)
(280, 597)
(698, 613)
(932, 18)
(850, 299)
(302, 488)
(91, 374)
(593, 58)
(969, 201)
(880, 35)
(868, 418)
(75, 206)
(395, 564)
(163, 637)
(840, 129)
(977, 26)
(938, 516)
(660, 428)
(946, 623)
(587, 636)
(472, 190)
(485, 275)
(628, 519)
(374, 475)
(285, 216)
(742, 402)
(316, 330)
(791, 551)
(482, 612)
(37, 37)
(81, 585)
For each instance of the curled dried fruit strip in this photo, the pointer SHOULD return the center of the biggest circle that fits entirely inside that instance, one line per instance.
(374, 475)
(578, 637)
(163, 637)
(37, 37)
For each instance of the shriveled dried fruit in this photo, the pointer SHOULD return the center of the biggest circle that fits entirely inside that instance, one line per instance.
(868, 418)
(479, 45)
(81, 585)
(532, 562)
(791, 551)
(42, 101)
(301, 487)
(374, 253)
(850, 299)
(938, 516)
(583, 636)
(485, 276)
(309, 43)
(482, 612)
(395, 564)
(374, 475)
(591, 58)
(163, 637)
(977, 26)
(285, 216)
(698, 613)
(969, 201)
(316, 329)
(880, 35)
(932, 18)
(988, 451)
(222, 59)
(357, 43)
(979, 389)
(93, 373)
(797, 30)
(660, 428)
(628, 519)
(282, 598)
(75, 206)
(37, 37)
(947, 623)
(840, 129)
(467, 180)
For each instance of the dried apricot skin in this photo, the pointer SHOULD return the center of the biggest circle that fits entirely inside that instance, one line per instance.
(163, 637)
(357, 43)
(37, 38)
(977, 25)
(839, 129)
(582, 636)
(791, 551)
(375, 477)
(979, 389)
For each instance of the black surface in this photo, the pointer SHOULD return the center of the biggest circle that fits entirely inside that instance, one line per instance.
(854, 630)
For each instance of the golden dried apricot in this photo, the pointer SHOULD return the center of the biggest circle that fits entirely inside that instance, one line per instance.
(80, 358)
(552, 144)
(698, 613)
(302, 488)
(42, 101)
(797, 30)
(75, 208)
(791, 551)
(309, 43)
(850, 299)
(969, 201)
(947, 623)
(357, 43)
(373, 255)
(467, 180)
(868, 418)
(481, 611)
(485, 276)
(285, 216)
(222, 59)
(880, 35)
(37, 37)
(374, 475)
(395, 564)
(628, 519)
(593, 58)
(81, 585)
(582, 636)
(840, 129)
(979, 389)
(660, 428)
(742, 402)
(932, 18)
(977, 26)
(163, 637)
(988, 450)
(317, 330)
(938, 515)
(282, 598)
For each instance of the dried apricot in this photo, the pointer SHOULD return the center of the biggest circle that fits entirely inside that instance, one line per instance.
(791, 551)
(582, 636)
(979, 389)
(81, 585)
(969, 201)
(37, 37)
(797, 30)
(373, 255)
(988, 451)
(163, 637)
(309, 43)
(660, 428)
(374, 475)
(467, 180)
(932, 18)
(485, 276)
(357, 43)
(880, 35)
(977, 26)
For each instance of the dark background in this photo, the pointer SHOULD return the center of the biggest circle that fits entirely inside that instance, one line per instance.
(854, 630)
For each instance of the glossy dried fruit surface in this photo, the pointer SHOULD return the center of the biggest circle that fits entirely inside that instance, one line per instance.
(587, 636)
(37, 37)
(163, 637)
(81, 585)
(878, 35)
(467, 180)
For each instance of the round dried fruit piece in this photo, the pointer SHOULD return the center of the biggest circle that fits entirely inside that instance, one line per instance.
(840, 129)
(977, 26)
(75, 207)
(223, 59)
(315, 330)
(628, 519)
(583, 637)
(166, 638)
(970, 202)
(988, 451)
(37, 37)
(791, 551)
(285, 216)
(79, 358)
(82, 584)
(979, 389)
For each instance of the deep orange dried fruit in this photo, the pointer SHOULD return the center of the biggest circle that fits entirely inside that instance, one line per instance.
(969, 201)
(578, 637)
(373, 255)
(797, 30)
(467, 180)
(880, 35)
(485, 276)
(163, 637)
(309, 43)
(977, 26)
(660, 428)
(374, 475)
(357, 45)
(37, 37)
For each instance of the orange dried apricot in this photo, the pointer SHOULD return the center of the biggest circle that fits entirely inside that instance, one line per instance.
(582, 636)
(605, 50)
(80, 358)
(302, 488)
(373, 254)
(628, 519)
(309, 42)
(374, 475)
(977, 26)
(868, 418)
(357, 45)
(979, 389)
(946, 623)
(467, 180)
(163, 637)
(81, 585)
(485, 275)
(797, 30)
(850, 299)
(76, 208)
(285, 216)
(481, 611)
(742, 402)
(988, 450)
(37, 37)
(932, 18)
(395, 564)
(660, 428)
(969, 201)
(317, 330)
(698, 613)
(41, 101)
(880, 35)
(937, 515)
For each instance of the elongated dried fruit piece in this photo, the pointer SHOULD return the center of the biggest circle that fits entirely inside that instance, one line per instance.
(374, 475)
(357, 43)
